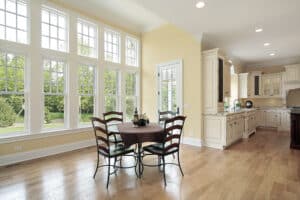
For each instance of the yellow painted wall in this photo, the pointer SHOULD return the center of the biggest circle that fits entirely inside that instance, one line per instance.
(165, 44)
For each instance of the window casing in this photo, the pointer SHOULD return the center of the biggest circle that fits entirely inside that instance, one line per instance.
(54, 29)
(87, 39)
(12, 98)
(111, 90)
(130, 94)
(54, 94)
(131, 51)
(86, 92)
(14, 21)
(112, 46)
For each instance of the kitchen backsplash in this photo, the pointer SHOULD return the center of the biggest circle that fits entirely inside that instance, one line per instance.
(265, 102)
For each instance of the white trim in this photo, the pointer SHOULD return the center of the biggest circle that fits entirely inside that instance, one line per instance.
(192, 141)
(39, 153)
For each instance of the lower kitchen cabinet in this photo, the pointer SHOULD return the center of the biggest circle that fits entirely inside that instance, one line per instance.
(250, 123)
(220, 131)
(273, 118)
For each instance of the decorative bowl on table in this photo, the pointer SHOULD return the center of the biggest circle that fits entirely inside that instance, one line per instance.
(141, 120)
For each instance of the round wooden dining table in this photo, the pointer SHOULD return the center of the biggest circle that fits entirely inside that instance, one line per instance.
(130, 134)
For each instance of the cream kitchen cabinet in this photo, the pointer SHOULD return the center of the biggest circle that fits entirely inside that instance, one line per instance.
(260, 118)
(285, 120)
(292, 73)
(221, 130)
(271, 85)
(244, 86)
(272, 118)
(213, 81)
(250, 123)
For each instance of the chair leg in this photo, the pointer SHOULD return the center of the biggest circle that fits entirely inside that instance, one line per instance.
(179, 164)
(164, 171)
(159, 162)
(96, 166)
(108, 173)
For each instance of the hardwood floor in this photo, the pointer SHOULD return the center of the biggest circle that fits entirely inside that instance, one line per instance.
(262, 167)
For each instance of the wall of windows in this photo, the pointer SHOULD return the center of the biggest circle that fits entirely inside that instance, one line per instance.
(59, 69)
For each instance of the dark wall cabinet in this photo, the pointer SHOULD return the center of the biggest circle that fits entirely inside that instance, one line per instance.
(295, 130)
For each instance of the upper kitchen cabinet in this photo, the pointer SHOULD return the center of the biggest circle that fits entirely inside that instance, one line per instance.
(250, 85)
(216, 81)
(271, 85)
(292, 73)
(244, 89)
(227, 79)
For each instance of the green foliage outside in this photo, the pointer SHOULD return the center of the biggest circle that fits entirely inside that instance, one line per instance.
(7, 114)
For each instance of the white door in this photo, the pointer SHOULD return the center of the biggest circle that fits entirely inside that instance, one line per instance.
(169, 84)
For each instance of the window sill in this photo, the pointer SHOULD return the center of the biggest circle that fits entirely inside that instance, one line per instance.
(43, 134)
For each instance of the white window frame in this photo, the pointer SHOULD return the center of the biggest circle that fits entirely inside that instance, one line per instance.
(35, 54)
(93, 94)
(94, 26)
(120, 46)
(137, 50)
(5, 26)
(25, 93)
(64, 94)
(57, 12)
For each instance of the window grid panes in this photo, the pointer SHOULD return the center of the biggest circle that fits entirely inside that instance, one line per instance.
(13, 21)
(86, 39)
(86, 88)
(54, 90)
(111, 90)
(112, 41)
(131, 95)
(131, 51)
(12, 100)
(54, 29)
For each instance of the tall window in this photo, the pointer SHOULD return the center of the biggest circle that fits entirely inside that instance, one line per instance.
(86, 90)
(54, 29)
(131, 51)
(12, 103)
(112, 46)
(86, 39)
(131, 94)
(13, 20)
(111, 90)
(54, 88)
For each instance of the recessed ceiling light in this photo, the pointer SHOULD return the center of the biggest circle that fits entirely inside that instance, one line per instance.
(230, 61)
(267, 44)
(200, 4)
(257, 30)
(272, 54)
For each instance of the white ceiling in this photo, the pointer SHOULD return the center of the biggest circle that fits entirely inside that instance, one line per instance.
(226, 24)
(230, 24)
(124, 13)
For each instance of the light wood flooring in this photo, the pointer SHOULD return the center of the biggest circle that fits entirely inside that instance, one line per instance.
(262, 167)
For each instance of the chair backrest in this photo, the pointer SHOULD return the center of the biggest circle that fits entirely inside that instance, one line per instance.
(174, 126)
(101, 135)
(113, 117)
(163, 115)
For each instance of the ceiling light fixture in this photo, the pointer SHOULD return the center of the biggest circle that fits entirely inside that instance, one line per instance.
(272, 54)
(200, 4)
(267, 44)
(230, 61)
(257, 30)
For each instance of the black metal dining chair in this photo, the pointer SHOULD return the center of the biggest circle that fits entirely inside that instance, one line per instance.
(112, 118)
(163, 115)
(170, 145)
(105, 149)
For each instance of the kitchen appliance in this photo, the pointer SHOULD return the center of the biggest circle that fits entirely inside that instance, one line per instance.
(293, 102)
(249, 104)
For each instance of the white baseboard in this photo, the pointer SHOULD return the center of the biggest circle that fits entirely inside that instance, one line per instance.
(29, 155)
(192, 141)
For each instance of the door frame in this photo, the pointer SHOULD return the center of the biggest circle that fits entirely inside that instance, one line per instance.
(179, 83)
